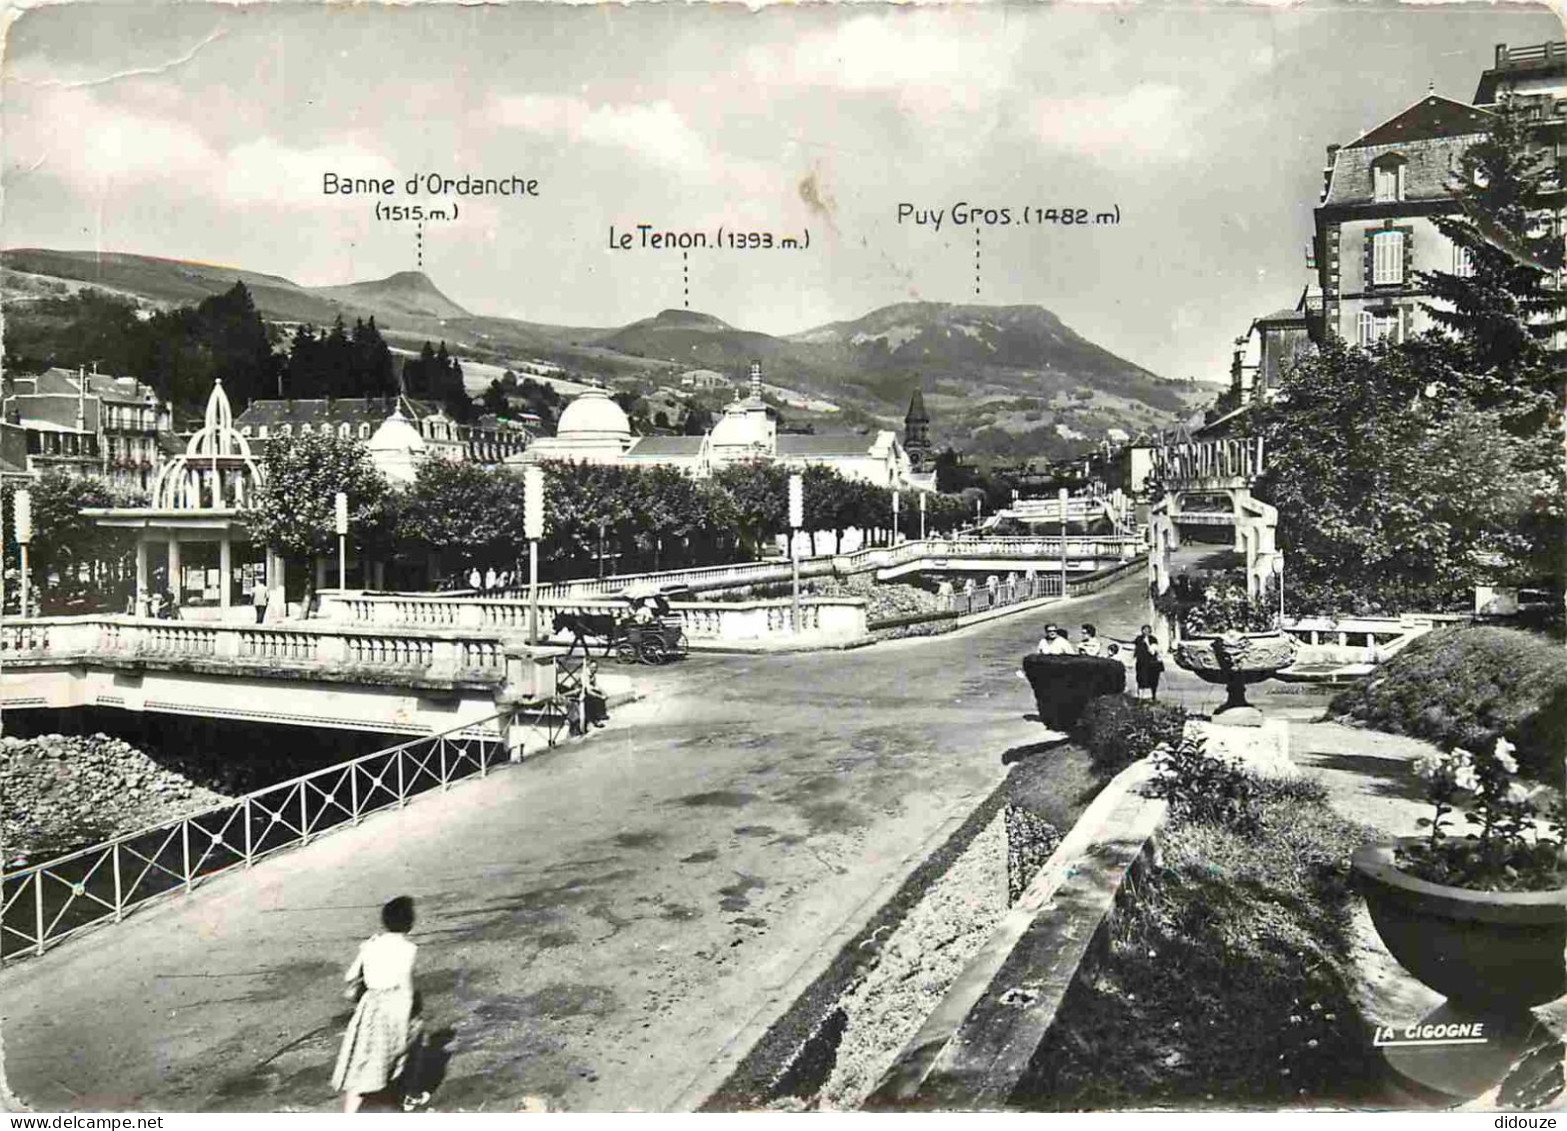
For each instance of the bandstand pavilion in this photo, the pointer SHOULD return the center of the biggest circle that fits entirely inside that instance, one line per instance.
(186, 538)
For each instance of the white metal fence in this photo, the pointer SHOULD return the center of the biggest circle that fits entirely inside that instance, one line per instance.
(44, 904)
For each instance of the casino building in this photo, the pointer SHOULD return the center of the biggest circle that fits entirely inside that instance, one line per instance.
(594, 429)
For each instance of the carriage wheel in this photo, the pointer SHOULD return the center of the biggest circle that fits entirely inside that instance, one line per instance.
(653, 651)
(625, 652)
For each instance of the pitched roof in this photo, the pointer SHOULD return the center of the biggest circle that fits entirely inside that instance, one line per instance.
(661, 447)
(821, 447)
(1428, 169)
(54, 412)
(337, 410)
(121, 390)
(1430, 118)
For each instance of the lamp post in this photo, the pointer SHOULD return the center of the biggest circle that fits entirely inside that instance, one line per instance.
(533, 530)
(922, 516)
(22, 517)
(796, 520)
(342, 541)
(896, 526)
(1062, 497)
(1278, 571)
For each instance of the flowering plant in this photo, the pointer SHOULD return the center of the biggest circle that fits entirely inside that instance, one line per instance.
(1505, 850)
(1213, 604)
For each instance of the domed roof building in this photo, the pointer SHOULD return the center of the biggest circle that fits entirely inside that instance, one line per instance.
(594, 429)
(396, 447)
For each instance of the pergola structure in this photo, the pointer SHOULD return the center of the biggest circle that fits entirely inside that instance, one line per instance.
(198, 500)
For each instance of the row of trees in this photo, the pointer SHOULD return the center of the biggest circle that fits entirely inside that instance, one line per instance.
(337, 363)
(180, 352)
(1407, 473)
(471, 516)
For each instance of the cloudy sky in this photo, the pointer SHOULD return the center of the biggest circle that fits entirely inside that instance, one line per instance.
(203, 133)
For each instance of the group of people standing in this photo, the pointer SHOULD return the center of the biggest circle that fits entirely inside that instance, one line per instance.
(1147, 658)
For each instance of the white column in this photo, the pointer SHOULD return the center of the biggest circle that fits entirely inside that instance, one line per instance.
(142, 579)
(226, 570)
(174, 565)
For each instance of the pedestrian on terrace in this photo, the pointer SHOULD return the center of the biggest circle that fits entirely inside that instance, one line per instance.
(1090, 643)
(1147, 662)
(384, 1028)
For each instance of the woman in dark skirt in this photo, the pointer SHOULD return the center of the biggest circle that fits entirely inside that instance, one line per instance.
(1145, 650)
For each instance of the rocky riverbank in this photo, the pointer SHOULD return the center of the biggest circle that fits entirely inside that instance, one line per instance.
(63, 792)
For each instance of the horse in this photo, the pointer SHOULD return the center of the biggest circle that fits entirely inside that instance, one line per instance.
(580, 625)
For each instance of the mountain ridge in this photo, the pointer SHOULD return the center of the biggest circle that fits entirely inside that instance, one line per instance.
(1017, 370)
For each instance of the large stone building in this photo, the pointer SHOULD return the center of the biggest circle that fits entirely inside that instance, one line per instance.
(1374, 229)
(113, 428)
(594, 429)
(399, 431)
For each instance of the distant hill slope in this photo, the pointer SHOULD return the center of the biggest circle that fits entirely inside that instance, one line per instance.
(407, 293)
(696, 340)
(1011, 380)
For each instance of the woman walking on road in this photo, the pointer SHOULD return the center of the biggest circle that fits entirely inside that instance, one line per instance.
(1145, 650)
(383, 1030)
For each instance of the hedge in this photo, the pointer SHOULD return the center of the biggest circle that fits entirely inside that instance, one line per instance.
(1467, 687)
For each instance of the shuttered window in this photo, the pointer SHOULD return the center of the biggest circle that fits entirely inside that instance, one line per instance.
(1388, 182)
(1374, 326)
(1463, 265)
(1387, 258)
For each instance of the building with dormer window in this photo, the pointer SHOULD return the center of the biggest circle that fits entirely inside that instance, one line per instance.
(1374, 230)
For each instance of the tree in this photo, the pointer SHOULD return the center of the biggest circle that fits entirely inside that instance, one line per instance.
(1507, 306)
(1390, 498)
(66, 544)
(495, 400)
(464, 512)
(371, 366)
(698, 421)
(758, 494)
(294, 512)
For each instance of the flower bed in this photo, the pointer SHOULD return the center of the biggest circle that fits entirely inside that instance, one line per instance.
(1227, 977)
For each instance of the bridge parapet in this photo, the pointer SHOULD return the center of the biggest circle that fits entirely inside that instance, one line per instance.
(318, 649)
(1046, 549)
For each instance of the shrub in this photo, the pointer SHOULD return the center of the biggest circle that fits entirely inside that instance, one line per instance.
(1229, 977)
(1117, 730)
(1468, 687)
(1206, 788)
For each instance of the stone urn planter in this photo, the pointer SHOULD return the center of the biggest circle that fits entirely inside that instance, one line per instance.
(1236, 659)
(1480, 949)
(1493, 955)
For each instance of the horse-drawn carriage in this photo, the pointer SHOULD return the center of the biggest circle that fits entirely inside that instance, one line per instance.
(641, 627)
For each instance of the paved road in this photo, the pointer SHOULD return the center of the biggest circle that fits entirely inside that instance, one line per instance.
(606, 927)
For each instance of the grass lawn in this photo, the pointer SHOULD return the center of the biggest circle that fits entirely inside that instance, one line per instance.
(1225, 983)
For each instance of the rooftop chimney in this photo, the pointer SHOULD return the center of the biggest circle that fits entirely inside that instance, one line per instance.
(1501, 54)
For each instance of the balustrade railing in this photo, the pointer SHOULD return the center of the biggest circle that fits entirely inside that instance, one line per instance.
(44, 904)
(370, 644)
